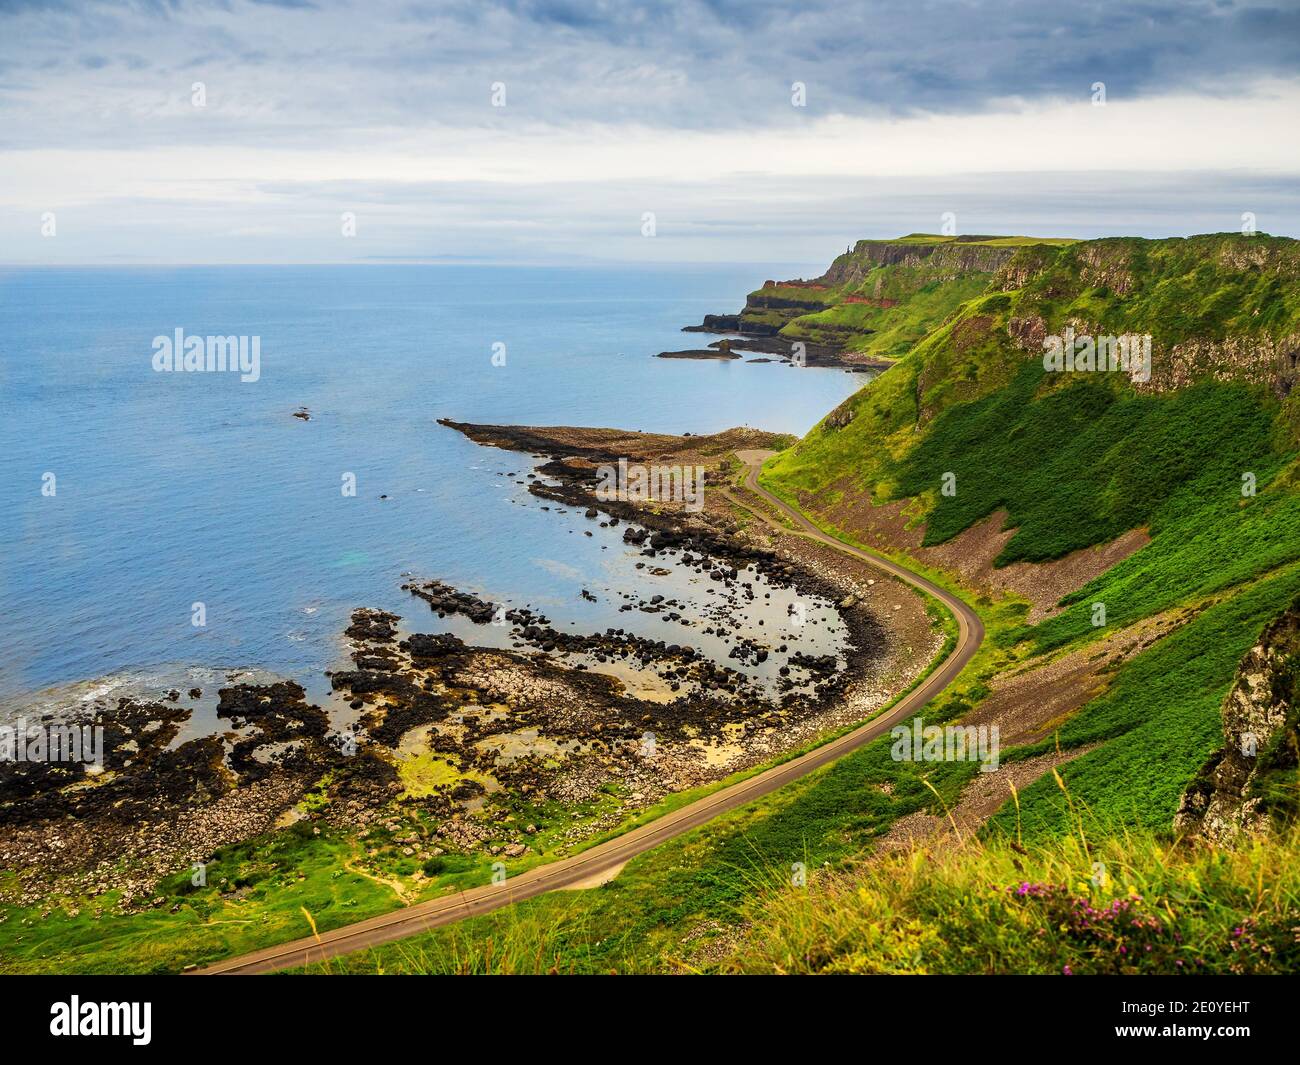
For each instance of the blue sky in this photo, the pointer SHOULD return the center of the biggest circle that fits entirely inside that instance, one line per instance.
(750, 131)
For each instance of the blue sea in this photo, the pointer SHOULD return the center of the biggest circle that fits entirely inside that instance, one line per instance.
(130, 495)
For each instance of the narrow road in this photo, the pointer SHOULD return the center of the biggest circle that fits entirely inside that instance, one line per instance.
(614, 853)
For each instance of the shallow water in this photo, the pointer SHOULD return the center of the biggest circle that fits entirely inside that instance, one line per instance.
(177, 489)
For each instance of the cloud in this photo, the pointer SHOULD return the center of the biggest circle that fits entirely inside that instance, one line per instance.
(98, 71)
(384, 107)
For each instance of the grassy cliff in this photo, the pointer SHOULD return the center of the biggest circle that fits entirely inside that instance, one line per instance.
(881, 296)
(1203, 456)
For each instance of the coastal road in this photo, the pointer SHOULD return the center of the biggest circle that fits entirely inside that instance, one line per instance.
(604, 860)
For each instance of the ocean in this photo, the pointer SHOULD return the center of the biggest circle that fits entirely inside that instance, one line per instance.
(137, 502)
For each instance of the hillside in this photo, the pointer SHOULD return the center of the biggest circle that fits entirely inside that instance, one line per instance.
(1184, 484)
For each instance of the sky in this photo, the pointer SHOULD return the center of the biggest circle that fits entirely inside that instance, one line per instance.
(591, 131)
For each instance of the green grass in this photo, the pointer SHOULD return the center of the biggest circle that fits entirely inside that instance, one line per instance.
(1205, 287)
(636, 922)
(261, 892)
(1077, 460)
(1090, 460)
(888, 332)
(925, 292)
(268, 883)
(1204, 545)
(1157, 722)
(997, 242)
(1131, 905)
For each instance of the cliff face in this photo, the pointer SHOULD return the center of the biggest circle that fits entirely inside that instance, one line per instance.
(1222, 306)
(1252, 781)
(880, 297)
(942, 261)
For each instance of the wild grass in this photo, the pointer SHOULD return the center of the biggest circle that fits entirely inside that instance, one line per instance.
(891, 331)
(1132, 903)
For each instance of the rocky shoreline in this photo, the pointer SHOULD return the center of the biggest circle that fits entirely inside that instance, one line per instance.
(464, 746)
(822, 355)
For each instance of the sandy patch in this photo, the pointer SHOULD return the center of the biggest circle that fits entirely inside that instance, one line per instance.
(971, 553)
(1029, 702)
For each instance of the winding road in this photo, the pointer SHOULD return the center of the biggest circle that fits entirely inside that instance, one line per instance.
(603, 861)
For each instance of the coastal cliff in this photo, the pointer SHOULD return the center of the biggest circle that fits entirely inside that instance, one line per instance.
(1149, 522)
(876, 299)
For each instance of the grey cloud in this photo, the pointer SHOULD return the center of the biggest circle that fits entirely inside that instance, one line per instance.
(693, 63)
(288, 74)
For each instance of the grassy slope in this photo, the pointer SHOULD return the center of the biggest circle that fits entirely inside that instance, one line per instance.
(1208, 286)
(1128, 905)
(887, 332)
(1076, 462)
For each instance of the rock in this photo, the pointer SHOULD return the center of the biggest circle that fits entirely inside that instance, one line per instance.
(423, 645)
(1222, 803)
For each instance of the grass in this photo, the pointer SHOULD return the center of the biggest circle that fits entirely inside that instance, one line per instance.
(1091, 460)
(1128, 902)
(270, 889)
(696, 883)
(1077, 460)
(1133, 904)
(1158, 720)
(891, 331)
(1205, 287)
(267, 884)
(1089, 464)
(923, 293)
